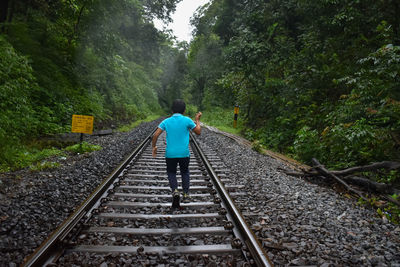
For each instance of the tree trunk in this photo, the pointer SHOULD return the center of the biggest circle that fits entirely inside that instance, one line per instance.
(11, 11)
(76, 25)
(3, 10)
(3, 14)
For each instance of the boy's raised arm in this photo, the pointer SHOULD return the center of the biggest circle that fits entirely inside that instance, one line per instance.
(197, 129)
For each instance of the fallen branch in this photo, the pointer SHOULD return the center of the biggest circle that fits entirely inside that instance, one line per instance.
(321, 169)
(372, 185)
(390, 165)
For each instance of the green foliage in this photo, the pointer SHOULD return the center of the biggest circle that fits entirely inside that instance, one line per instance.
(129, 127)
(18, 117)
(59, 58)
(173, 82)
(222, 119)
(257, 146)
(307, 144)
(44, 165)
(83, 147)
(313, 78)
(204, 61)
(393, 177)
(191, 110)
(390, 211)
(25, 156)
(393, 211)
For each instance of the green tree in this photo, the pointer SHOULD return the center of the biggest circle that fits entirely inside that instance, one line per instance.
(305, 73)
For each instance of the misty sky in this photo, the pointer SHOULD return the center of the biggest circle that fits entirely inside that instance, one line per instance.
(181, 24)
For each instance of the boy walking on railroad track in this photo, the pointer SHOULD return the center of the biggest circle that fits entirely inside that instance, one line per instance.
(177, 152)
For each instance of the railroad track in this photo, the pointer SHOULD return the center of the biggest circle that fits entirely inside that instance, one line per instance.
(128, 219)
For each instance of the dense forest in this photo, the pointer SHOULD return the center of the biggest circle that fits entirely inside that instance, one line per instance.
(91, 57)
(312, 78)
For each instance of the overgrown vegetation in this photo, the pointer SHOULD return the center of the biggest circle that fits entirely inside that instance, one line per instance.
(26, 156)
(40, 166)
(386, 210)
(59, 58)
(38, 158)
(83, 147)
(222, 119)
(313, 79)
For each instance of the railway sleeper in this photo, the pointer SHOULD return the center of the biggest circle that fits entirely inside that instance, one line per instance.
(133, 221)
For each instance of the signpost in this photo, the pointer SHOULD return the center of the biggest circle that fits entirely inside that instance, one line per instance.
(236, 113)
(82, 124)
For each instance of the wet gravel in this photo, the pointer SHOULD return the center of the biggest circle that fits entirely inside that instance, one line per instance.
(302, 223)
(298, 222)
(33, 204)
(85, 259)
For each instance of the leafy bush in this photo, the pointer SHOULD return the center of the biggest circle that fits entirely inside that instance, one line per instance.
(83, 148)
(191, 110)
(19, 157)
(256, 146)
(222, 119)
(18, 117)
(44, 165)
(307, 144)
(391, 211)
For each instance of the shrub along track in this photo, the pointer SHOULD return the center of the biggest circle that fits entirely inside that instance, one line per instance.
(129, 216)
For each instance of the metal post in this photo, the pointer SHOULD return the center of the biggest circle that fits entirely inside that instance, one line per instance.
(80, 142)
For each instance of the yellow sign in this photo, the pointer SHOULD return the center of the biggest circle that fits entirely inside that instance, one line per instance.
(236, 113)
(82, 124)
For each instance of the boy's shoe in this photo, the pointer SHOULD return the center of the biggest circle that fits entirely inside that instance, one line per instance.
(186, 197)
(175, 199)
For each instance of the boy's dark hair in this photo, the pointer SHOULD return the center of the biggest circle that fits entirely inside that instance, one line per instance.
(178, 106)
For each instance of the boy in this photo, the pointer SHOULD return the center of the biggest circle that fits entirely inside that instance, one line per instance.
(177, 152)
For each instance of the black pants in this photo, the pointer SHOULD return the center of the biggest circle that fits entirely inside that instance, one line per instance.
(172, 163)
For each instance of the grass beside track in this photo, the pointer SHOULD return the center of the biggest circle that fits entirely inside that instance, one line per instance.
(222, 119)
(38, 155)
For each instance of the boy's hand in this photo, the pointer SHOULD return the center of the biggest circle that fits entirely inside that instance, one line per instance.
(198, 115)
(154, 152)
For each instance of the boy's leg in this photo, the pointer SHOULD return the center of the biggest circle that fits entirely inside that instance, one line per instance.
(184, 168)
(171, 172)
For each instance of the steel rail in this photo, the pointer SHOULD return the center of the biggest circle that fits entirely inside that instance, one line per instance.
(51, 246)
(250, 239)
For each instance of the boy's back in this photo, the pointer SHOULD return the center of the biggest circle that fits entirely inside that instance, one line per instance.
(177, 128)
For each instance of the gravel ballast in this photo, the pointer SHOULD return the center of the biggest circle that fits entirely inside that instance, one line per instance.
(33, 204)
(298, 222)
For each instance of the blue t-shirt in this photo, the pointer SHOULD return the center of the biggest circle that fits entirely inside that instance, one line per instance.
(177, 128)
